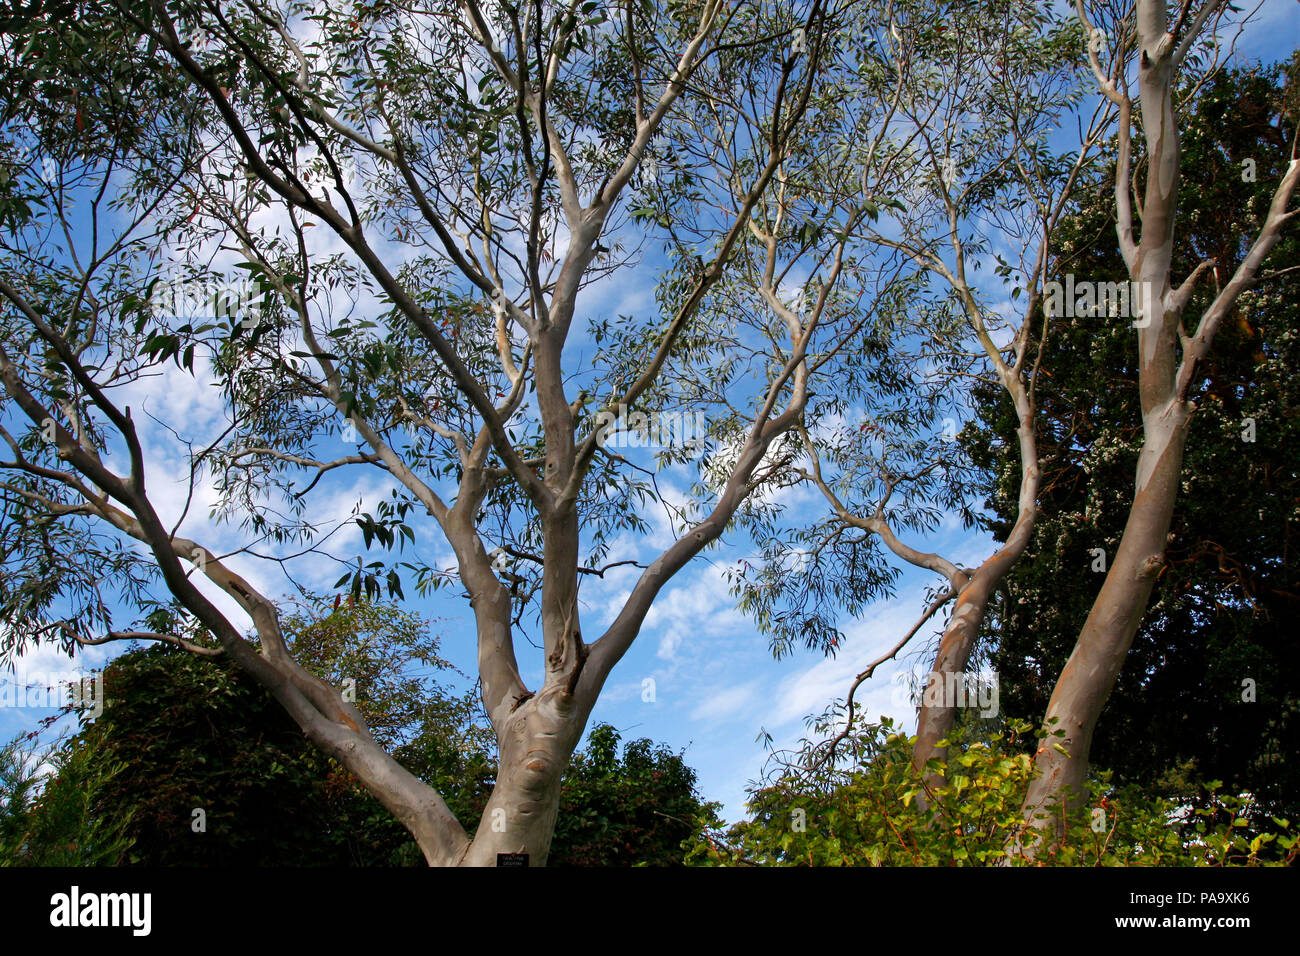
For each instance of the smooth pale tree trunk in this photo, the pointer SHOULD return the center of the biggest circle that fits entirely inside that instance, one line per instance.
(1164, 379)
(535, 746)
(1093, 667)
(940, 700)
(939, 704)
(1061, 762)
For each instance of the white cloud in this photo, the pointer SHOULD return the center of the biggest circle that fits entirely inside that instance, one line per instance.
(697, 609)
(812, 689)
(727, 705)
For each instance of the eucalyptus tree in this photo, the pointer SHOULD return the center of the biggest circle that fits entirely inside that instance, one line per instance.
(963, 169)
(422, 198)
(1221, 610)
(1147, 59)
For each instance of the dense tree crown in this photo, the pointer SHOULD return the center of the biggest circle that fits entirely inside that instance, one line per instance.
(399, 301)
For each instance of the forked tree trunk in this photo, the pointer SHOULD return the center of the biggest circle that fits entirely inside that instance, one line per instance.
(520, 816)
(1061, 762)
(1164, 381)
(536, 732)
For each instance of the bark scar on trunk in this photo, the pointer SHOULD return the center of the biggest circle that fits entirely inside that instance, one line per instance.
(1151, 567)
(577, 669)
(520, 699)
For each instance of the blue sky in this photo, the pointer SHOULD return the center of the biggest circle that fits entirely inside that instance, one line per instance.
(716, 685)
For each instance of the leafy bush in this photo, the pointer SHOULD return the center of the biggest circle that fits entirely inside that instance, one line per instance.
(635, 810)
(879, 811)
(50, 820)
